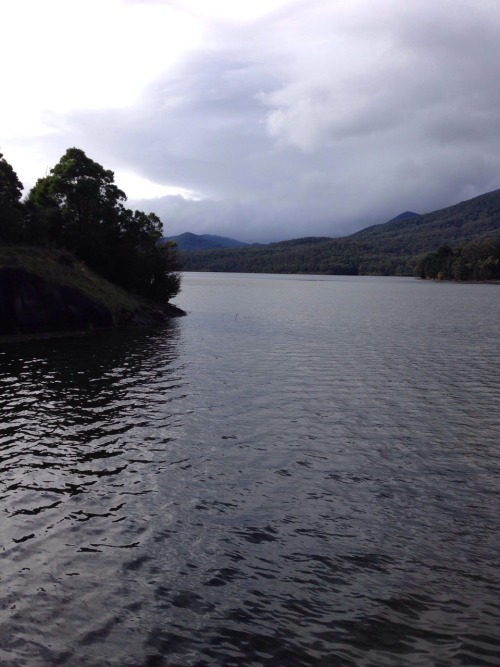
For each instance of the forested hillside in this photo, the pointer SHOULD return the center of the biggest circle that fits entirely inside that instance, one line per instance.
(393, 248)
(472, 219)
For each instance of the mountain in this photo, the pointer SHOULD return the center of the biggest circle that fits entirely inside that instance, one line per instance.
(189, 241)
(404, 216)
(391, 248)
(472, 219)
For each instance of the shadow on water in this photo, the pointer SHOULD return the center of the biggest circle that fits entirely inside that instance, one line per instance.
(76, 361)
(85, 424)
(75, 409)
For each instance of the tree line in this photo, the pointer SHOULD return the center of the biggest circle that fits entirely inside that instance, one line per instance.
(309, 255)
(474, 260)
(79, 209)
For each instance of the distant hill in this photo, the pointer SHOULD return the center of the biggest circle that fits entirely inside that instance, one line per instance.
(472, 219)
(189, 241)
(391, 248)
(404, 216)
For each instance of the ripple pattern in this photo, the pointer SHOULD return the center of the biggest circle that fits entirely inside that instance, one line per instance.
(301, 472)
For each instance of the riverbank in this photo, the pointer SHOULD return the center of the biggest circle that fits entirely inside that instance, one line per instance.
(46, 292)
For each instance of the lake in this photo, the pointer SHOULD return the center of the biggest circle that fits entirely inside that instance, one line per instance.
(303, 471)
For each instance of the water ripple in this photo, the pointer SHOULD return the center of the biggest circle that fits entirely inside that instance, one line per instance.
(314, 482)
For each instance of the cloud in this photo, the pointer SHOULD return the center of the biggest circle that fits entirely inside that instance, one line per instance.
(390, 67)
(312, 117)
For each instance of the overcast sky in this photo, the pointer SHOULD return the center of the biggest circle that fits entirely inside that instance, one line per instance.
(259, 119)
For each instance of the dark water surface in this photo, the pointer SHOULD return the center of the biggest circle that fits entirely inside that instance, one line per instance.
(303, 471)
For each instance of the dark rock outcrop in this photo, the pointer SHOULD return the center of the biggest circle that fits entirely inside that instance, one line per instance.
(149, 315)
(31, 305)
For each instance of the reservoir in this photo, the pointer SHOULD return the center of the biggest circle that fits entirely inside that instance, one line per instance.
(303, 471)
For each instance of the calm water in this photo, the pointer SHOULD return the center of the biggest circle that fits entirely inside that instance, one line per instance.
(303, 471)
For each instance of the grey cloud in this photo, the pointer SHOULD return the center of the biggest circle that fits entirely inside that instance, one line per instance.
(408, 63)
(198, 129)
(319, 119)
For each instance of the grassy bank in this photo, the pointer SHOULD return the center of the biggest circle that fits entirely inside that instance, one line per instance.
(61, 268)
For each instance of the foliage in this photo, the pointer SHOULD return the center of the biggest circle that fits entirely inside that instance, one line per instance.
(331, 257)
(11, 209)
(475, 260)
(80, 203)
(79, 207)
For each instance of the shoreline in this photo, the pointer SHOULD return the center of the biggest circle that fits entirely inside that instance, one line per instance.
(155, 318)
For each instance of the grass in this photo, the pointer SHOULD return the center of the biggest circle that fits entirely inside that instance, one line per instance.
(61, 268)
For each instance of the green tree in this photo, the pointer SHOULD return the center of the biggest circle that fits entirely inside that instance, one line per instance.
(81, 204)
(11, 208)
(459, 268)
(79, 207)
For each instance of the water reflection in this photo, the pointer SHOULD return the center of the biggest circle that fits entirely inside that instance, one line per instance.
(80, 424)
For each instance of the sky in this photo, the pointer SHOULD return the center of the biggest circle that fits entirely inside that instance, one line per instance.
(262, 120)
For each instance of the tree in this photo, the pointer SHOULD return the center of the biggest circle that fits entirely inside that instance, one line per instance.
(11, 208)
(81, 203)
(141, 262)
(79, 207)
(478, 259)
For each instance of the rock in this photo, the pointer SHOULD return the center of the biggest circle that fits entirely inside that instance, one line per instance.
(149, 316)
(30, 305)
